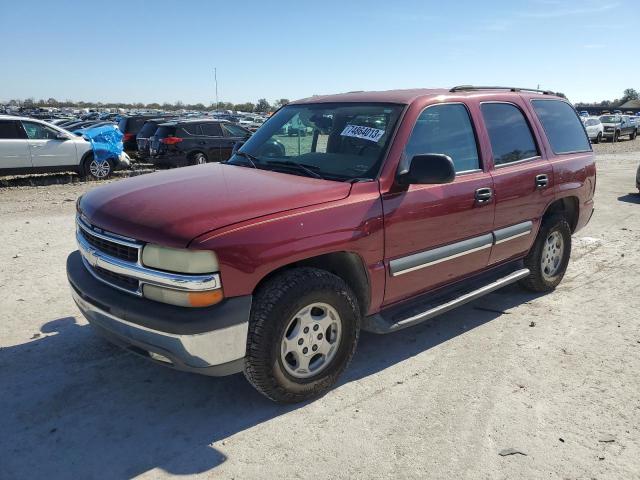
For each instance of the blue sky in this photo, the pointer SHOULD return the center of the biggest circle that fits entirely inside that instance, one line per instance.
(156, 51)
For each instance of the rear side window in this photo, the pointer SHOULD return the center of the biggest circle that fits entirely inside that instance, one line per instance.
(235, 131)
(509, 132)
(11, 130)
(211, 129)
(191, 129)
(562, 126)
(446, 129)
(163, 132)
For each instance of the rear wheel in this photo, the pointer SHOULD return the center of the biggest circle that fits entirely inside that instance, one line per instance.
(549, 256)
(198, 159)
(303, 331)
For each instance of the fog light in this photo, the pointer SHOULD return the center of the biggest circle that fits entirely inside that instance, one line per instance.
(183, 298)
(158, 357)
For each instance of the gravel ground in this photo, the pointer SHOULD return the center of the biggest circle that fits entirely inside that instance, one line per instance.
(554, 377)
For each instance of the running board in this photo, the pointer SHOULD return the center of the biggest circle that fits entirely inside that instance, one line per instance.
(399, 317)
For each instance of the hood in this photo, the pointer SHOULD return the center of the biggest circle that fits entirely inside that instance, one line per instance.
(173, 207)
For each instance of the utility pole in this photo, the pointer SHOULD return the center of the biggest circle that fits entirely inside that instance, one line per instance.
(215, 78)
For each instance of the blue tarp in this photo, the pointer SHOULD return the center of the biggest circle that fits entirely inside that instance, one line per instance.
(106, 141)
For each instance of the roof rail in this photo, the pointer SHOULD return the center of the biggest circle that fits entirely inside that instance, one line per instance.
(465, 88)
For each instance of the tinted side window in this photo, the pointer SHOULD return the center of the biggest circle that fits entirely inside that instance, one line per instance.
(211, 129)
(510, 135)
(235, 131)
(37, 131)
(562, 126)
(445, 129)
(192, 129)
(10, 130)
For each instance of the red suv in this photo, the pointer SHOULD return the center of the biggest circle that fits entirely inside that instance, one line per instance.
(394, 207)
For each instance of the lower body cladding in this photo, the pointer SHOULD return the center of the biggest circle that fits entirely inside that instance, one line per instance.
(209, 341)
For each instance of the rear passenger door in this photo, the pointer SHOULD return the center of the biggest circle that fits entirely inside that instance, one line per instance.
(14, 149)
(213, 137)
(522, 178)
(436, 234)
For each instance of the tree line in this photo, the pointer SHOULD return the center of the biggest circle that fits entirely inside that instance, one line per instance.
(628, 94)
(261, 106)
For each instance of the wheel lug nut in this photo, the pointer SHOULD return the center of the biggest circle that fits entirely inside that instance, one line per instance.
(316, 327)
(306, 330)
(300, 342)
(319, 336)
(315, 347)
(305, 350)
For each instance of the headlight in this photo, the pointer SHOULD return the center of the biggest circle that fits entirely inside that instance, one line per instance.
(179, 260)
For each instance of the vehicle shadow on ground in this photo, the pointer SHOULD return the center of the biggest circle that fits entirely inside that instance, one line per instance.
(76, 407)
(630, 198)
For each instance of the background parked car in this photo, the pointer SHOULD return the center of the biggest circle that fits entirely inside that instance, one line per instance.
(146, 132)
(29, 145)
(195, 142)
(130, 126)
(594, 128)
(617, 125)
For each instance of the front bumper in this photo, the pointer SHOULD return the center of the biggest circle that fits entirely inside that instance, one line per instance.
(209, 341)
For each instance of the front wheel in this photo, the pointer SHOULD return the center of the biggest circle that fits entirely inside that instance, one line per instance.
(303, 330)
(633, 135)
(615, 137)
(98, 169)
(598, 138)
(548, 259)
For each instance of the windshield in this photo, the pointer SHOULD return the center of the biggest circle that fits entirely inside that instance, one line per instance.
(610, 119)
(335, 141)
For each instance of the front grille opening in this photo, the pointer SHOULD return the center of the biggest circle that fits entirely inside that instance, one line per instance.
(123, 252)
(118, 280)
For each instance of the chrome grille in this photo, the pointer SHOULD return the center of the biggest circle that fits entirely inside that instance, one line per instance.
(118, 250)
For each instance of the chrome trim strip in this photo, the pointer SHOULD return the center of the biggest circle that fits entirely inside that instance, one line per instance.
(159, 278)
(137, 293)
(424, 259)
(517, 235)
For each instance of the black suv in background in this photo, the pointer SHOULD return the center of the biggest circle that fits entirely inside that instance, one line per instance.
(194, 142)
(130, 126)
(143, 138)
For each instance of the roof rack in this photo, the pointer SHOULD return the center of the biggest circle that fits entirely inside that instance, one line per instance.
(465, 88)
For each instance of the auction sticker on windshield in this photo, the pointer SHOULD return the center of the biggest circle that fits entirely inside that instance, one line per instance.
(366, 133)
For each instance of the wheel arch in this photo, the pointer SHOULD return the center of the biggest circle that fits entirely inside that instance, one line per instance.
(349, 266)
(567, 206)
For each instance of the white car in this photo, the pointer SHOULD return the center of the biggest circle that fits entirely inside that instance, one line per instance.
(28, 145)
(594, 128)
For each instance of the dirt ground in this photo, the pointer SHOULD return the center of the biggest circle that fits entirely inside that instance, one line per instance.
(554, 377)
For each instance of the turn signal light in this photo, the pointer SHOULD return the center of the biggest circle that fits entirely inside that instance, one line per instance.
(205, 299)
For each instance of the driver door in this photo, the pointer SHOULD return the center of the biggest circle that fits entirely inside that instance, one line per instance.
(437, 234)
(47, 150)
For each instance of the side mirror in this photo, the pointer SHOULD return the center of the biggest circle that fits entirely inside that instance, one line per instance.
(430, 168)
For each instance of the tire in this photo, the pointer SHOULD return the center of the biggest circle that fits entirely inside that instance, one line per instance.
(598, 138)
(546, 275)
(198, 159)
(633, 135)
(97, 170)
(616, 137)
(278, 312)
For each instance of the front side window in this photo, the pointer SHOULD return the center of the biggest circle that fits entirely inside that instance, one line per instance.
(562, 126)
(446, 129)
(509, 132)
(234, 130)
(37, 131)
(334, 141)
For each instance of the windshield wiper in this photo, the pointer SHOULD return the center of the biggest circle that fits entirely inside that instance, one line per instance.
(300, 166)
(251, 158)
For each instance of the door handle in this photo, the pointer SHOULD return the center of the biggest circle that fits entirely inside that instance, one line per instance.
(35, 146)
(483, 195)
(542, 181)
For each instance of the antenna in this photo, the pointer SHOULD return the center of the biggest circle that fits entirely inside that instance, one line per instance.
(215, 78)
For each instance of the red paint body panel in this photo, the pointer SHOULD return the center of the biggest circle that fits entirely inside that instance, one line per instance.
(258, 221)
